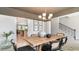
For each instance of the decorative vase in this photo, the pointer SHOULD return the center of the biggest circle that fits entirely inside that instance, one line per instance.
(42, 34)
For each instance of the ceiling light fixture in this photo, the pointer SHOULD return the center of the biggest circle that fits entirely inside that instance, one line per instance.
(45, 16)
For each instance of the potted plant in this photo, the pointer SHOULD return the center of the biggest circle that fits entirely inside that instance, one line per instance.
(6, 43)
(7, 34)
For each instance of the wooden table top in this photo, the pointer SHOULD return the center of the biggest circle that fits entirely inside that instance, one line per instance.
(36, 41)
(21, 42)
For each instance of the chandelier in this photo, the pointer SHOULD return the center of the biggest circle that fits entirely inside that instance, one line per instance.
(45, 16)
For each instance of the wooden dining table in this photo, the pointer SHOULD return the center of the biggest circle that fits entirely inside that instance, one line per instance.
(39, 41)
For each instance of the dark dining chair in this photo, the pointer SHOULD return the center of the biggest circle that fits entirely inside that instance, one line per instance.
(26, 48)
(59, 44)
(46, 47)
(14, 45)
(23, 48)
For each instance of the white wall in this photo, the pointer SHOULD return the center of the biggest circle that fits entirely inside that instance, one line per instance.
(26, 21)
(7, 23)
(30, 28)
(72, 21)
(48, 27)
(29, 22)
(55, 25)
(22, 21)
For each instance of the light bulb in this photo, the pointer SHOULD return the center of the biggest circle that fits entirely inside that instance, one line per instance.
(44, 18)
(44, 14)
(50, 15)
(40, 16)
